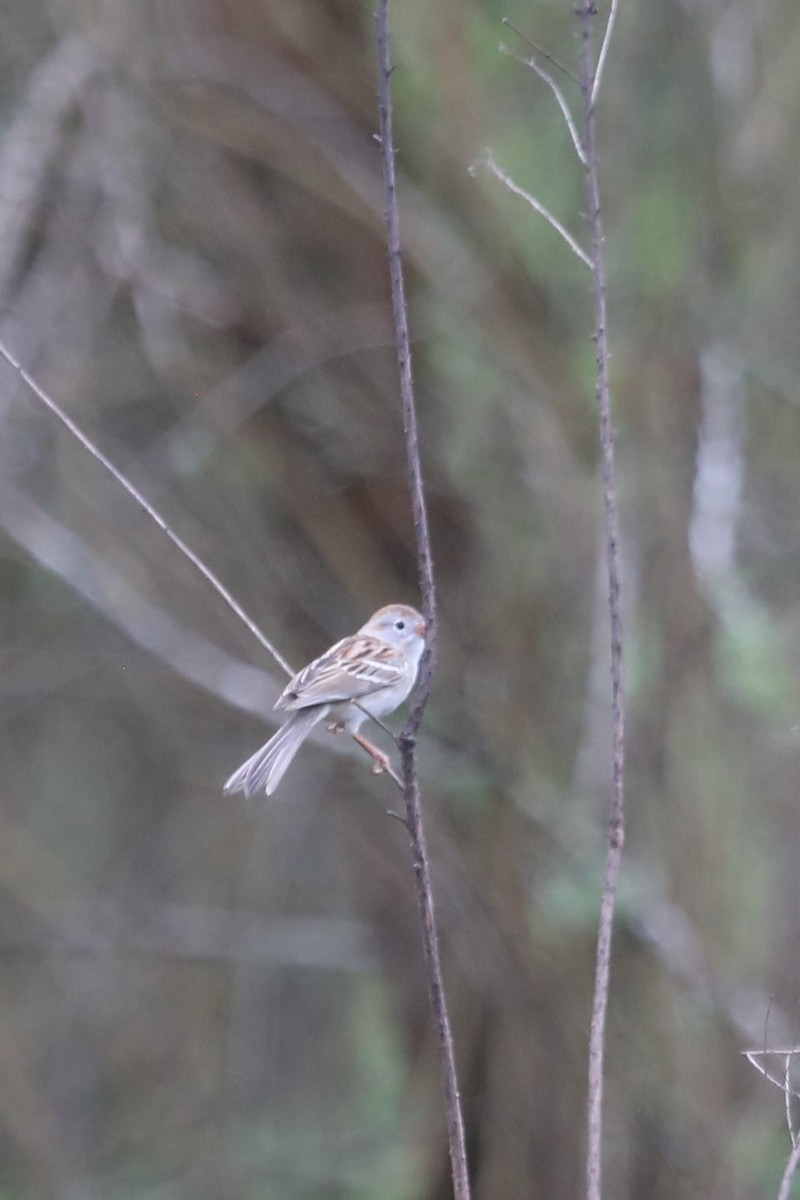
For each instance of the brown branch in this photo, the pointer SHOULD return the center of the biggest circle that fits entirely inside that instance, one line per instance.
(408, 736)
(779, 1081)
(589, 79)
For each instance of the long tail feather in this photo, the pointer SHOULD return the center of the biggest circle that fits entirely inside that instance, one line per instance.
(266, 767)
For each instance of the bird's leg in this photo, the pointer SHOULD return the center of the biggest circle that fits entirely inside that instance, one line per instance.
(335, 727)
(380, 761)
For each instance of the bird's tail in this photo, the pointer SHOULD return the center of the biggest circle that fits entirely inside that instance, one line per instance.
(267, 766)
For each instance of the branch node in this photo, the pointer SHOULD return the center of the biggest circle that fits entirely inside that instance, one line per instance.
(407, 741)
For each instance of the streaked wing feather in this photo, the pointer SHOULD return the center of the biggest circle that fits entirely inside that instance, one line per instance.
(353, 668)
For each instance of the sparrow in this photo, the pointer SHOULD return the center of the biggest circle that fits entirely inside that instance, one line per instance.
(369, 673)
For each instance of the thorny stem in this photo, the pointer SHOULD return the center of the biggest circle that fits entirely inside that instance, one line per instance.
(616, 822)
(408, 736)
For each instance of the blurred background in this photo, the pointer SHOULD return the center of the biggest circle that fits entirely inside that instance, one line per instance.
(205, 998)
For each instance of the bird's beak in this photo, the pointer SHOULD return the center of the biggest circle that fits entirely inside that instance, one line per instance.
(421, 629)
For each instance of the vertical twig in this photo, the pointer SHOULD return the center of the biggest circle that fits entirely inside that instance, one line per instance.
(789, 1173)
(408, 736)
(793, 1161)
(589, 78)
(787, 1099)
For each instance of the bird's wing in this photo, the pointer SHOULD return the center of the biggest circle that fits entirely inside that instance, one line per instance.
(353, 668)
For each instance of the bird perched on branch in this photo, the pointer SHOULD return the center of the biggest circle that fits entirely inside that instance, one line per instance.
(367, 674)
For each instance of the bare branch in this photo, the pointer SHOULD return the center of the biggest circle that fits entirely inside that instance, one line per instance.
(155, 516)
(408, 737)
(780, 1081)
(787, 1053)
(601, 58)
(789, 1173)
(547, 78)
(488, 162)
(616, 820)
(787, 1099)
(589, 82)
(752, 1057)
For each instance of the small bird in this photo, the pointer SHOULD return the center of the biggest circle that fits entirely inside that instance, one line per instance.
(369, 673)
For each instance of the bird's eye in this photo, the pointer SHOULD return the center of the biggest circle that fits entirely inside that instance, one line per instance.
(400, 625)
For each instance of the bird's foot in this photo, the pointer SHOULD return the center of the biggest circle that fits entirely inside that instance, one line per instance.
(380, 762)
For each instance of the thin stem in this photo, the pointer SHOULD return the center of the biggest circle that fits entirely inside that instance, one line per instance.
(561, 99)
(750, 1055)
(616, 821)
(145, 505)
(488, 162)
(789, 1172)
(400, 309)
(787, 1098)
(601, 58)
(408, 737)
(782, 1082)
